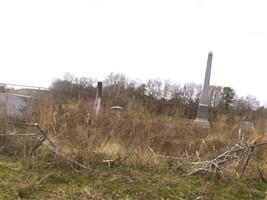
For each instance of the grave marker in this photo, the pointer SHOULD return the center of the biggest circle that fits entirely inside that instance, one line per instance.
(16, 107)
(202, 115)
(98, 97)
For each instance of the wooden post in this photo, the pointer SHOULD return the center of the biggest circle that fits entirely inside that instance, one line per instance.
(247, 160)
(98, 97)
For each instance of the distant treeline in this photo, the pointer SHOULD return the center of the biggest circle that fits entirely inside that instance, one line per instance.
(159, 96)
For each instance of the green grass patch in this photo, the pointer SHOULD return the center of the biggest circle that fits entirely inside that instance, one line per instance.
(62, 181)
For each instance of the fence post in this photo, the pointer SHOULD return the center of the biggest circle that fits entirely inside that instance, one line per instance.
(98, 97)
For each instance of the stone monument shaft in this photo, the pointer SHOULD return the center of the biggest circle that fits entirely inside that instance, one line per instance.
(205, 94)
(202, 114)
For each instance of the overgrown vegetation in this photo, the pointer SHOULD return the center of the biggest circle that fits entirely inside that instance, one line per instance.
(57, 180)
(147, 150)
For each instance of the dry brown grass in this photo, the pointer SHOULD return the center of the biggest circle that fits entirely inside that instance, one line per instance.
(151, 153)
(137, 137)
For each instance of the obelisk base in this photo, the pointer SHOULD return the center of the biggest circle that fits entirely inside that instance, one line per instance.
(202, 117)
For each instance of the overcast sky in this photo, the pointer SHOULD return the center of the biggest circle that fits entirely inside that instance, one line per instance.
(41, 40)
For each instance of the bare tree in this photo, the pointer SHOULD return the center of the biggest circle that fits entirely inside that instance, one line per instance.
(115, 85)
(72, 86)
(176, 92)
(215, 96)
(166, 92)
(154, 88)
(247, 104)
(190, 93)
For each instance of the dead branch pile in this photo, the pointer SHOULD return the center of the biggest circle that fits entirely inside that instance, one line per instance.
(216, 165)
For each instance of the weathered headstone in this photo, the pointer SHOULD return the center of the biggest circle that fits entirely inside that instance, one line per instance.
(247, 126)
(116, 110)
(16, 107)
(202, 115)
(98, 98)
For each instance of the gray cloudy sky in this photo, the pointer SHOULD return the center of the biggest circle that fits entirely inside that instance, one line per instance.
(40, 40)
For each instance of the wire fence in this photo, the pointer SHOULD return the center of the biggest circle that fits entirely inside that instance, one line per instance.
(160, 105)
(248, 161)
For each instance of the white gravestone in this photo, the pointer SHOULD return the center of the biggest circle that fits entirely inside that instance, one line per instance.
(16, 107)
(116, 110)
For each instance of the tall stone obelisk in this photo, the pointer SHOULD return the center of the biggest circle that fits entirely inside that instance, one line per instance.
(202, 114)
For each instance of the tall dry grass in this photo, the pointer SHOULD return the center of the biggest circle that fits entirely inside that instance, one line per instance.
(136, 137)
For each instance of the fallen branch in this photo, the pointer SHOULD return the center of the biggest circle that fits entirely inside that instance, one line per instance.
(221, 159)
(208, 166)
(59, 153)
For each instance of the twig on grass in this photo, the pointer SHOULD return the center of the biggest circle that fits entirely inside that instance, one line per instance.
(6, 165)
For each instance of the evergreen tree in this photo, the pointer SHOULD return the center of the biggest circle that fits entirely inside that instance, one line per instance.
(228, 98)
